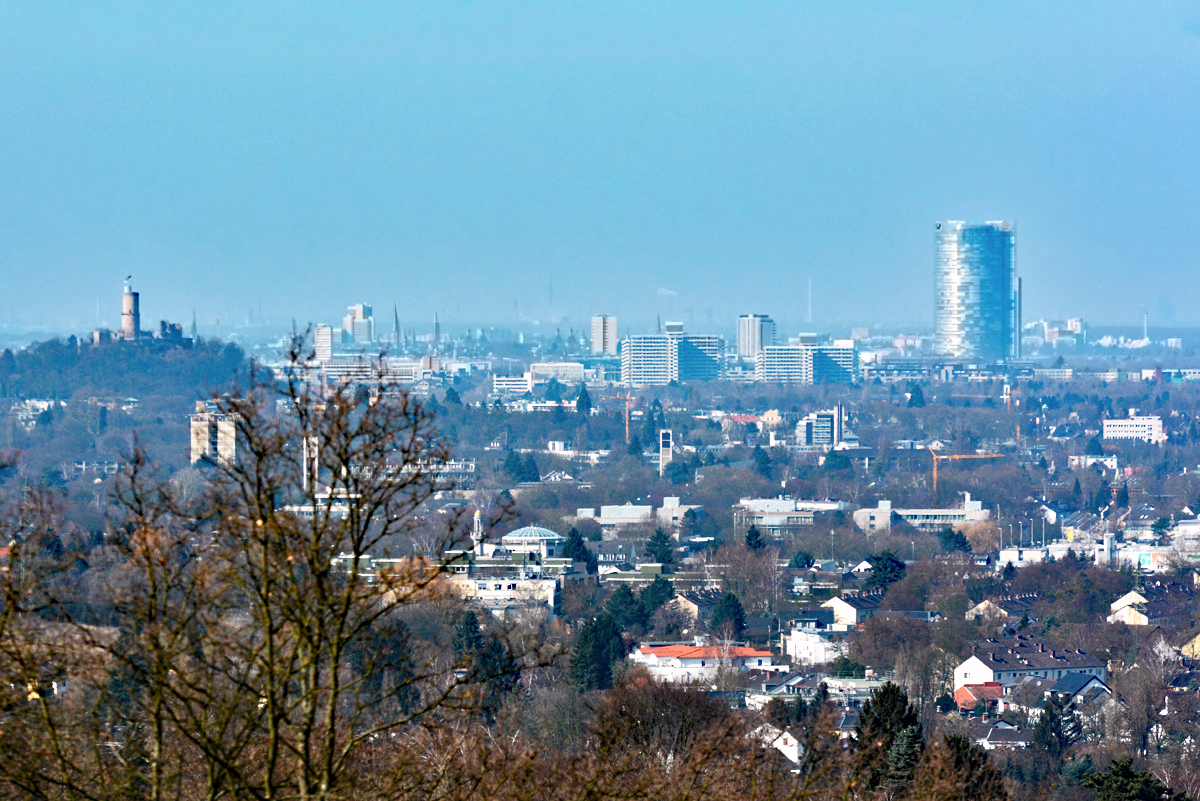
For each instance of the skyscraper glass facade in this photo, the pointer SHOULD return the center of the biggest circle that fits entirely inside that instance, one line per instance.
(976, 302)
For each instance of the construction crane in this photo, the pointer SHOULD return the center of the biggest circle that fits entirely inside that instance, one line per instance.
(953, 457)
(628, 398)
(1006, 396)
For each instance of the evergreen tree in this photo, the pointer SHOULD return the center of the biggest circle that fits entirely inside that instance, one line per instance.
(916, 396)
(583, 402)
(886, 570)
(903, 757)
(839, 463)
(952, 540)
(529, 469)
(955, 769)
(635, 445)
(467, 640)
(728, 611)
(654, 595)
(754, 540)
(803, 560)
(649, 435)
(624, 607)
(598, 645)
(1122, 783)
(762, 461)
(452, 398)
(512, 466)
(554, 390)
(659, 547)
(846, 668)
(883, 717)
(1123, 496)
(1056, 730)
(577, 551)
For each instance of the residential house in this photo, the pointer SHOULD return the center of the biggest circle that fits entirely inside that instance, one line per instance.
(698, 604)
(997, 609)
(970, 696)
(854, 608)
(783, 740)
(1008, 661)
(1157, 604)
(1078, 688)
(813, 646)
(682, 662)
(991, 735)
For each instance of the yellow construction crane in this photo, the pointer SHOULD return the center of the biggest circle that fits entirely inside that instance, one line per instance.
(953, 457)
(628, 398)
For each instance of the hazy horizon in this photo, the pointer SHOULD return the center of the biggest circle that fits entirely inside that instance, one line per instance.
(680, 161)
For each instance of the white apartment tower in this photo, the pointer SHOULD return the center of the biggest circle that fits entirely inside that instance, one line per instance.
(824, 363)
(755, 332)
(323, 344)
(604, 335)
(214, 435)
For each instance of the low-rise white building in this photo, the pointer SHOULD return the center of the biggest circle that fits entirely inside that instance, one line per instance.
(611, 517)
(777, 517)
(683, 662)
(514, 384)
(811, 646)
(930, 520)
(506, 595)
(1147, 428)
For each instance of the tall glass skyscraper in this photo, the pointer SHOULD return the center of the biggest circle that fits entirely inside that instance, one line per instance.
(978, 294)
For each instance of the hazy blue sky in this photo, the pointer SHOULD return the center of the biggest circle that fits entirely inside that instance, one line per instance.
(453, 156)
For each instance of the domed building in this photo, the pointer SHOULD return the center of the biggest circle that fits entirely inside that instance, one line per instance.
(534, 540)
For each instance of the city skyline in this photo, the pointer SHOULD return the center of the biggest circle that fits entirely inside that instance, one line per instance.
(642, 162)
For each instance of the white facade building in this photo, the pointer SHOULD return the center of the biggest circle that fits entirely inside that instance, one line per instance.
(516, 384)
(214, 435)
(323, 344)
(1009, 660)
(659, 359)
(564, 372)
(604, 335)
(1147, 428)
(755, 332)
(931, 520)
(826, 363)
(807, 646)
(686, 663)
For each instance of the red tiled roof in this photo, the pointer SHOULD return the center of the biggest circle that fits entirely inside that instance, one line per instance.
(700, 651)
(990, 691)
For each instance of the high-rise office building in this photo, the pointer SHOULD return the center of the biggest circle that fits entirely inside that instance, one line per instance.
(604, 335)
(358, 326)
(659, 359)
(812, 363)
(755, 332)
(978, 295)
(323, 344)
